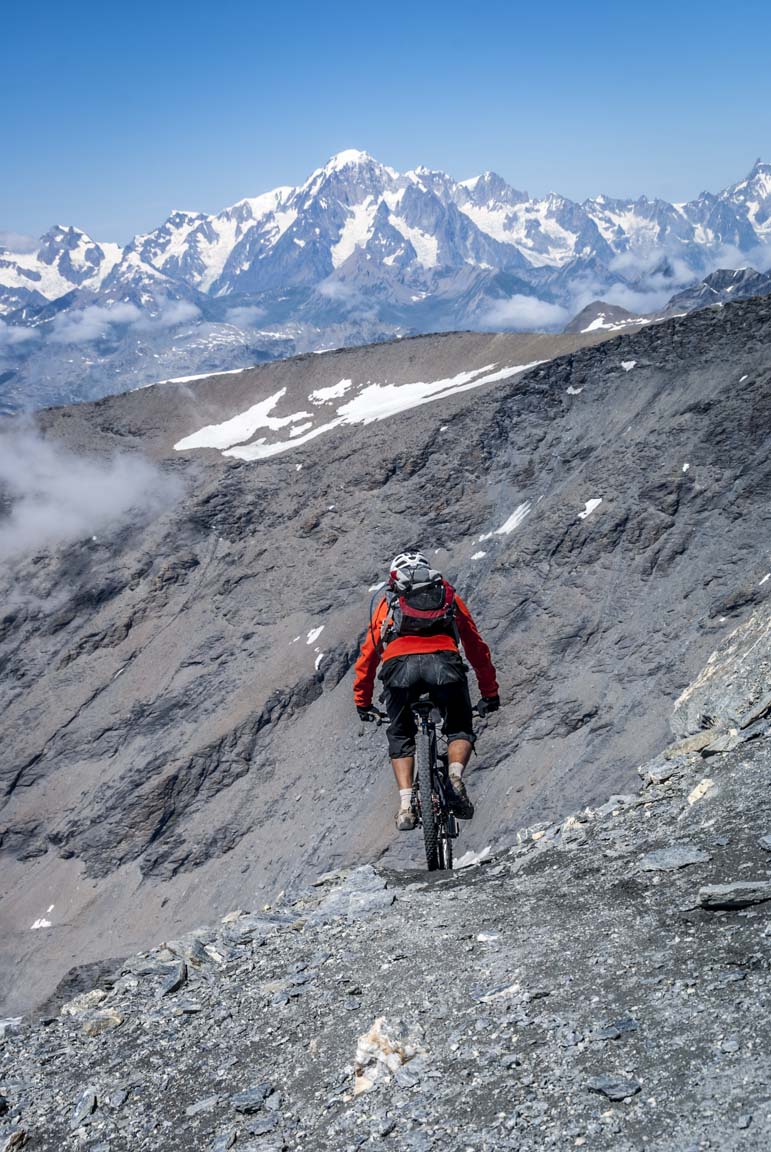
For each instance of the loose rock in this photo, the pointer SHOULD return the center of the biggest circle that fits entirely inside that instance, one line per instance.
(251, 1099)
(614, 1087)
(672, 858)
(741, 894)
(85, 1106)
(175, 981)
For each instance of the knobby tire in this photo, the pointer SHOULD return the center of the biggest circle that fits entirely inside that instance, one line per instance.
(427, 814)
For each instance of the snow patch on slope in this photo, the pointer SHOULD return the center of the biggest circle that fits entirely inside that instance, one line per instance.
(373, 402)
(241, 427)
(516, 518)
(590, 507)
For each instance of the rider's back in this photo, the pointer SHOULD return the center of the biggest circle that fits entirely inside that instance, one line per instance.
(404, 645)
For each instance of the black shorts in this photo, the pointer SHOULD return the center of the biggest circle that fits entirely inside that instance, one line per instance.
(443, 676)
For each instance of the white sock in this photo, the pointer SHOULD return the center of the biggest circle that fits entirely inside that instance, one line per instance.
(456, 770)
(405, 797)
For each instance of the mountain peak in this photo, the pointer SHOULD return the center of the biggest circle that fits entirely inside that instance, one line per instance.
(349, 157)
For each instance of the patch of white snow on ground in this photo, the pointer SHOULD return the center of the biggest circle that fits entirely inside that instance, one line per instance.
(686, 467)
(314, 634)
(333, 392)
(597, 323)
(478, 555)
(241, 427)
(574, 391)
(743, 378)
(516, 518)
(590, 507)
(318, 660)
(298, 431)
(378, 401)
(374, 402)
(628, 365)
(766, 577)
(41, 923)
(189, 379)
(486, 536)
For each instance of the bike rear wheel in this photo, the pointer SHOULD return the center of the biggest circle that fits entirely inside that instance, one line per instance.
(423, 767)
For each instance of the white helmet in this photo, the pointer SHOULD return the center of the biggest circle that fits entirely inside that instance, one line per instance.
(404, 569)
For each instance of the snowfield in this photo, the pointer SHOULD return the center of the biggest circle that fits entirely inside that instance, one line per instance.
(372, 402)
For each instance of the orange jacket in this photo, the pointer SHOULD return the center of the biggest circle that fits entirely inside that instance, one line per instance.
(371, 652)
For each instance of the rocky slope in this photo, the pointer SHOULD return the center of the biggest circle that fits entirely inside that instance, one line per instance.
(178, 729)
(357, 253)
(602, 984)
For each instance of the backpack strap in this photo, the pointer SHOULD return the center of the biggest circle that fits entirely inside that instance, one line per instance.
(377, 640)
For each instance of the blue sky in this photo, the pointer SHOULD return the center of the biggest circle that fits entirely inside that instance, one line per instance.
(113, 115)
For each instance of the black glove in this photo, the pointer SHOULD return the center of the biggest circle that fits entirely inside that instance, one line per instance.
(489, 704)
(365, 714)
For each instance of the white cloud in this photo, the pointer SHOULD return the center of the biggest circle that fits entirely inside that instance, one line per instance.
(639, 302)
(172, 313)
(524, 313)
(17, 241)
(96, 322)
(338, 290)
(91, 323)
(13, 335)
(245, 316)
(51, 496)
(730, 257)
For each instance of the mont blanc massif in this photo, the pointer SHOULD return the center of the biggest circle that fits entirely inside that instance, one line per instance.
(358, 253)
(212, 936)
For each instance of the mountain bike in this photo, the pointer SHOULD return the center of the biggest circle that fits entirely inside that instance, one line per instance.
(431, 790)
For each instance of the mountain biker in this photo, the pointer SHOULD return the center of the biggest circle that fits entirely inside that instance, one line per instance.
(420, 654)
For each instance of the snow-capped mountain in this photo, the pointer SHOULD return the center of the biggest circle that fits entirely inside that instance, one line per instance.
(356, 253)
(65, 258)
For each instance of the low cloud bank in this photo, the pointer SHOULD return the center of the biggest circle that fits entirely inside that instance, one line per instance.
(51, 496)
(14, 336)
(17, 242)
(245, 316)
(524, 313)
(96, 322)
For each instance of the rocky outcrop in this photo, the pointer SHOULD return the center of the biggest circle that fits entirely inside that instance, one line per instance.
(731, 697)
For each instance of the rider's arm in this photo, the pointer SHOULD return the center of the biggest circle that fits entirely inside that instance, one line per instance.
(476, 650)
(369, 658)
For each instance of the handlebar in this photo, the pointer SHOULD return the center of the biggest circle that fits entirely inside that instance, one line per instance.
(479, 709)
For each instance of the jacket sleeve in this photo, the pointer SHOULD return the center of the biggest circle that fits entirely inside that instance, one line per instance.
(369, 658)
(477, 651)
